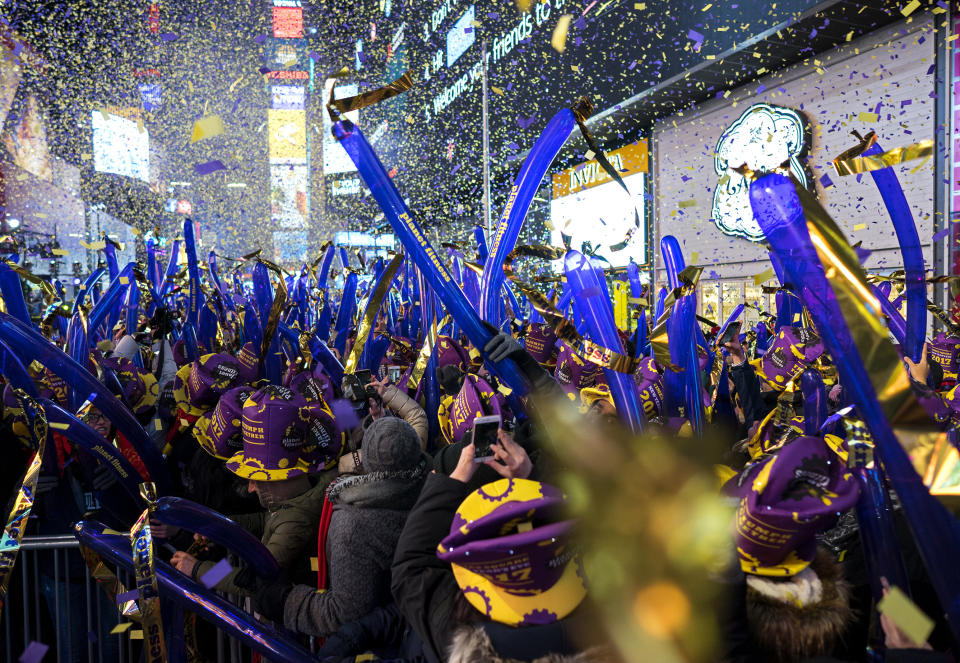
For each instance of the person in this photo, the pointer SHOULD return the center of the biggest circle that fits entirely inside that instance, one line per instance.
(367, 514)
(275, 428)
(462, 609)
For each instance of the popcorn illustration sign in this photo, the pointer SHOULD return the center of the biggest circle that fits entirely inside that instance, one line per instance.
(764, 138)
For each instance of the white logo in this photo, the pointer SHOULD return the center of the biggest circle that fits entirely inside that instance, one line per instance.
(763, 138)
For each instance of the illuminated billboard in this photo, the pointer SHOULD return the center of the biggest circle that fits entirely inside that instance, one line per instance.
(27, 142)
(288, 97)
(288, 22)
(120, 146)
(288, 135)
(335, 158)
(593, 213)
(461, 36)
(289, 197)
(9, 80)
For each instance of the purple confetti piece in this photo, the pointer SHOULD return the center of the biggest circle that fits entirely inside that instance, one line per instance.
(931, 69)
(580, 24)
(132, 595)
(344, 416)
(259, 39)
(264, 70)
(494, 15)
(761, 88)
(468, 30)
(862, 253)
(236, 104)
(525, 123)
(826, 181)
(314, 56)
(34, 652)
(455, 169)
(693, 35)
(169, 36)
(940, 234)
(209, 167)
(713, 275)
(220, 570)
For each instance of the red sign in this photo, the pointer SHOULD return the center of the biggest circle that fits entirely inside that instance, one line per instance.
(153, 20)
(295, 75)
(288, 22)
(184, 207)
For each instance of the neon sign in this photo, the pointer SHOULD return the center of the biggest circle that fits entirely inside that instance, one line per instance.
(764, 138)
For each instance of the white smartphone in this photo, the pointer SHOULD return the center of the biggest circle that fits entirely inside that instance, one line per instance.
(485, 435)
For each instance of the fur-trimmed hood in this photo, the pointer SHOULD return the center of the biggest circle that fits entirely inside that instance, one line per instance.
(397, 490)
(794, 619)
(471, 644)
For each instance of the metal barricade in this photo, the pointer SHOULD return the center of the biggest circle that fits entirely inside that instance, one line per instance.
(51, 602)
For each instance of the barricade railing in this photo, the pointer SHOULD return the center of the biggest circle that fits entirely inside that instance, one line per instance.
(54, 600)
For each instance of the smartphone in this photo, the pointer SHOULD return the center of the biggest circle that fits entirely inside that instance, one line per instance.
(730, 333)
(395, 373)
(485, 435)
(364, 376)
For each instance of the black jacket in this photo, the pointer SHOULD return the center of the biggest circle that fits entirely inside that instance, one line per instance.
(747, 387)
(423, 585)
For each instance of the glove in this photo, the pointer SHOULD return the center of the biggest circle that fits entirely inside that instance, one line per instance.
(269, 598)
(245, 578)
(502, 346)
(103, 478)
(46, 483)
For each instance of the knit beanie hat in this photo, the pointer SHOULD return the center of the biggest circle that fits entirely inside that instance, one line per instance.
(390, 444)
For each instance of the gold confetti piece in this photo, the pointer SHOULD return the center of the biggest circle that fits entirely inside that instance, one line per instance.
(849, 36)
(694, 257)
(898, 607)
(206, 127)
(113, 532)
(314, 564)
(859, 226)
(589, 154)
(235, 83)
(120, 628)
(124, 280)
(93, 246)
(136, 635)
(726, 94)
(910, 7)
(639, 6)
(867, 117)
(524, 5)
(952, 37)
(475, 24)
(58, 426)
(496, 90)
(61, 252)
(707, 6)
(559, 38)
(764, 276)
(575, 68)
(687, 203)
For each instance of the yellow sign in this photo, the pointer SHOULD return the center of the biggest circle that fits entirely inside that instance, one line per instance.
(628, 160)
(288, 134)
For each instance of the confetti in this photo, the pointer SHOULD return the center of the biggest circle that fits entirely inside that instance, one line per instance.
(219, 571)
(910, 619)
(559, 38)
(867, 117)
(764, 276)
(34, 652)
(206, 127)
(120, 628)
(940, 234)
(209, 167)
(910, 7)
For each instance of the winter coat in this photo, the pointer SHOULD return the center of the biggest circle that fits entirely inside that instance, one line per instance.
(369, 511)
(289, 532)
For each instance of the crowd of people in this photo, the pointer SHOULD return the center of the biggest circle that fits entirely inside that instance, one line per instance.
(414, 535)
